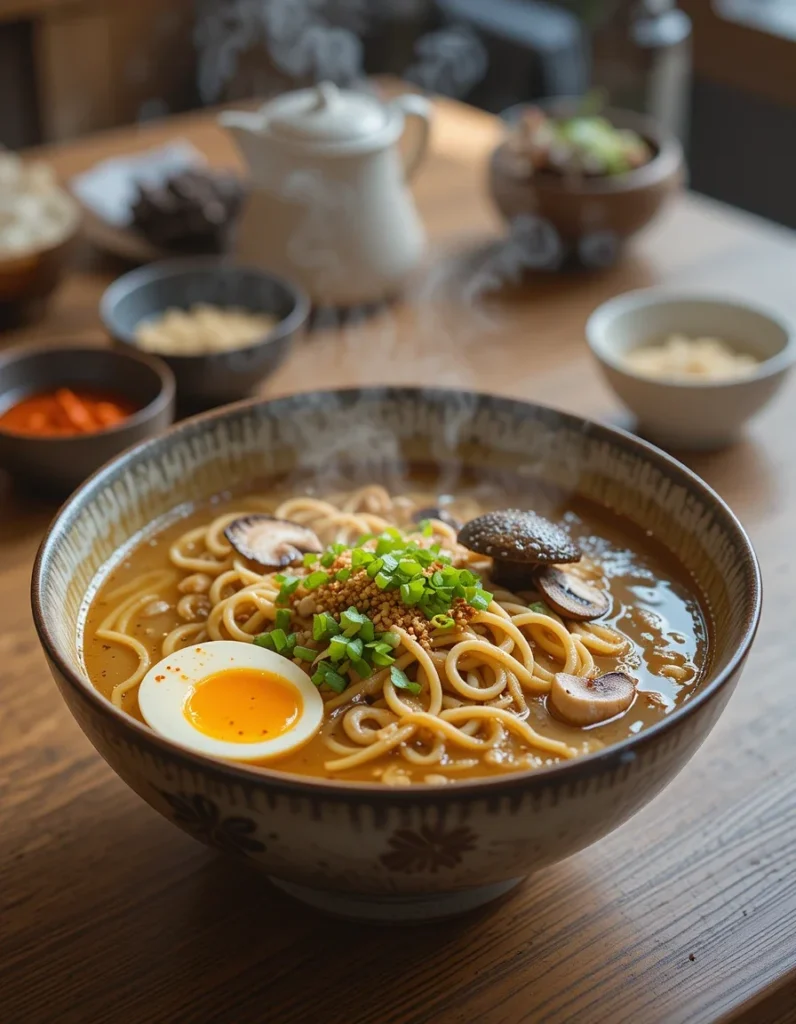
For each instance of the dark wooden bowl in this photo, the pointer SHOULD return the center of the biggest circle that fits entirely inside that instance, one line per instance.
(593, 216)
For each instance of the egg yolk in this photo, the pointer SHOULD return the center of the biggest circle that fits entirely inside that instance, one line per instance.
(243, 705)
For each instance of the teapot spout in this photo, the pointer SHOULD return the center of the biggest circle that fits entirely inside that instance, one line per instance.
(246, 127)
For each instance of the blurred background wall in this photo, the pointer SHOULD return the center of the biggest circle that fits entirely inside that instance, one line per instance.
(721, 72)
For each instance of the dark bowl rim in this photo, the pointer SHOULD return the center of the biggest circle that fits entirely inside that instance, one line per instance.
(566, 773)
(162, 400)
(140, 276)
(668, 160)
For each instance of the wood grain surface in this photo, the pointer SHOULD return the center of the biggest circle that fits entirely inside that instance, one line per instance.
(687, 914)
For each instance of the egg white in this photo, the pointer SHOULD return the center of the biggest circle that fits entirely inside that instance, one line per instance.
(163, 690)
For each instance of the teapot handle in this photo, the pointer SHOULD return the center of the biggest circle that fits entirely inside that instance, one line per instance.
(418, 108)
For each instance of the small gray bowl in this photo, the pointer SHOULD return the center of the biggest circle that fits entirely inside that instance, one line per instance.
(56, 465)
(204, 381)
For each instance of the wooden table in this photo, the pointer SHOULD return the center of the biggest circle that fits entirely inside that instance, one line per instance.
(687, 914)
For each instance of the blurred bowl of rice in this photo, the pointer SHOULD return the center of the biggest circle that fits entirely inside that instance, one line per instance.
(38, 223)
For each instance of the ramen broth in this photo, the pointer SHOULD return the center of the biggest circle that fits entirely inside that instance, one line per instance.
(653, 606)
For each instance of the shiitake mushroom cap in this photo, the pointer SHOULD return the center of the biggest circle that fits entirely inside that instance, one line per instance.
(272, 543)
(515, 535)
(518, 542)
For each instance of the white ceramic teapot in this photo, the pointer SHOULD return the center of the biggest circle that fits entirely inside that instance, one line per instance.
(329, 206)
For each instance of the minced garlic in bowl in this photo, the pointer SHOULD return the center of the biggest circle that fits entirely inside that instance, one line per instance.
(203, 330)
(681, 358)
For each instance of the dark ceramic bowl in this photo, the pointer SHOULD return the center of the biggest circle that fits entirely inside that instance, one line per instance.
(208, 380)
(589, 221)
(366, 849)
(56, 465)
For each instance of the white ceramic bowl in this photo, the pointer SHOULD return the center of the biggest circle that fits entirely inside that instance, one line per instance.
(686, 414)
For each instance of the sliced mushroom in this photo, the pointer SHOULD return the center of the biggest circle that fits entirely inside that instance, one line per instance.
(583, 701)
(570, 596)
(270, 542)
(437, 513)
(518, 542)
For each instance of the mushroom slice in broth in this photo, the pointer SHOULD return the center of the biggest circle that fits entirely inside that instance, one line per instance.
(272, 543)
(570, 596)
(583, 701)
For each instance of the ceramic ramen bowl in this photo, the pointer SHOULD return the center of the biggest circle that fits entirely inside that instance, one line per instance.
(586, 222)
(366, 849)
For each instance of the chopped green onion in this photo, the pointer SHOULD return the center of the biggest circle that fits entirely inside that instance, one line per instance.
(412, 592)
(424, 556)
(309, 559)
(480, 600)
(389, 638)
(316, 579)
(361, 667)
(327, 558)
(355, 647)
(342, 575)
(352, 617)
(304, 653)
(442, 622)
(366, 631)
(265, 640)
(338, 648)
(335, 681)
(283, 619)
(279, 638)
(539, 607)
(360, 557)
(410, 568)
(324, 626)
(374, 567)
(383, 581)
(289, 584)
(401, 681)
(389, 540)
(325, 673)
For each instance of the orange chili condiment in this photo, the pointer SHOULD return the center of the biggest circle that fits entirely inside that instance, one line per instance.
(65, 412)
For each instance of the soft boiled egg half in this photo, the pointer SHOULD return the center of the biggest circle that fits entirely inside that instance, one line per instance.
(231, 699)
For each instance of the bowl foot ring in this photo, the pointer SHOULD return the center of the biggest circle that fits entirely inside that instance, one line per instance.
(396, 909)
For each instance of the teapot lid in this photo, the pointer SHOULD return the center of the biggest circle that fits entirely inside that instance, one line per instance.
(326, 116)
